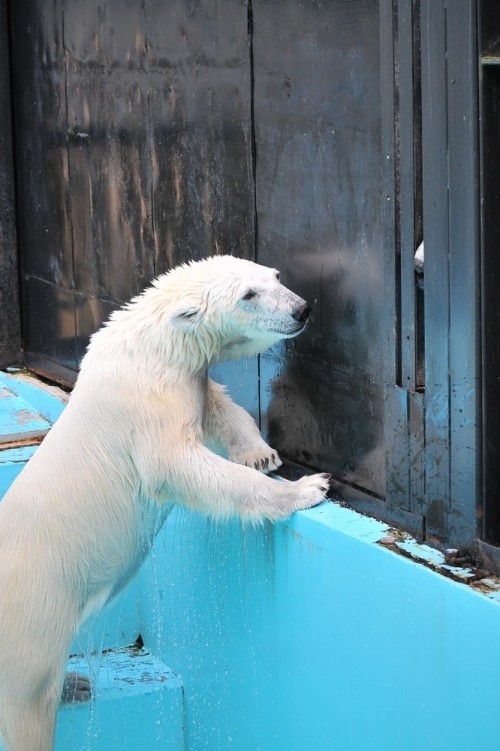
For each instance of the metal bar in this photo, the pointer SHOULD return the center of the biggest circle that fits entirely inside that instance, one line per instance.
(465, 448)
(397, 136)
(435, 209)
(388, 150)
(407, 195)
(395, 400)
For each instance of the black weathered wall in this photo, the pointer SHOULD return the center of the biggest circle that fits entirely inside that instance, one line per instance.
(167, 131)
(325, 139)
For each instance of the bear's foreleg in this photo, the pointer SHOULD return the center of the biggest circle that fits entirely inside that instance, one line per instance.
(229, 425)
(197, 478)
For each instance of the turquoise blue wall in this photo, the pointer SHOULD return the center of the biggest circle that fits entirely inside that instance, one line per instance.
(311, 635)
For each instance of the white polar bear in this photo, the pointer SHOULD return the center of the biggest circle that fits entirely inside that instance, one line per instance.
(78, 521)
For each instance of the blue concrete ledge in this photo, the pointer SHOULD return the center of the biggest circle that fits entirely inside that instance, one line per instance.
(313, 634)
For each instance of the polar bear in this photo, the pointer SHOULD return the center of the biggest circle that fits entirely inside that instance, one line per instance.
(134, 440)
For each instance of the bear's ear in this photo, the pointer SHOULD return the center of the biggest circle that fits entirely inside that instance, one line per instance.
(185, 316)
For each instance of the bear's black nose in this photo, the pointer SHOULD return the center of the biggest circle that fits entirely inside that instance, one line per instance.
(301, 312)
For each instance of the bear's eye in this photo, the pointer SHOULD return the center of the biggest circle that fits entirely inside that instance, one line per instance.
(249, 295)
(277, 275)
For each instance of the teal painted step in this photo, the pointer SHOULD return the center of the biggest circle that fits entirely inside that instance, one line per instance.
(39, 404)
(12, 462)
(18, 420)
(138, 703)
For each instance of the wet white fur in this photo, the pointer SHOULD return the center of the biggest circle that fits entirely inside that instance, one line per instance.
(80, 518)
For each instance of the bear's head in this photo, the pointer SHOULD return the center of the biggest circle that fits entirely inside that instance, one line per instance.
(220, 308)
(232, 307)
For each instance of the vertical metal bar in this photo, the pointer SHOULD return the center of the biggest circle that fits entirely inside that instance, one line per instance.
(437, 292)
(396, 399)
(250, 33)
(407, 194)
(388, 109)
(388, 149)
(463, 270)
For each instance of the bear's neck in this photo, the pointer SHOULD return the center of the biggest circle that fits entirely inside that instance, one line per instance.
(151, 356)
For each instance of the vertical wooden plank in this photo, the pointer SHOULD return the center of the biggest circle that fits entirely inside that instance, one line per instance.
(437, 290)
(109, 156)
(43, 214)
(108, 148)
(40, 132)
(200, 129)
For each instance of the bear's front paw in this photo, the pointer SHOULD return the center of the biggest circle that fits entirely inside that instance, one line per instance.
(310, 490)
(263, 458)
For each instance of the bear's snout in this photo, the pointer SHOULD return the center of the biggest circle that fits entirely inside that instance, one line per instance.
(301, 312)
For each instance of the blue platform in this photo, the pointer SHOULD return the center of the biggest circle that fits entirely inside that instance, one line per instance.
(137, 703)
(329, 632)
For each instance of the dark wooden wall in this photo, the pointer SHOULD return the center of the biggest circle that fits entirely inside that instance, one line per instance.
(134, 142)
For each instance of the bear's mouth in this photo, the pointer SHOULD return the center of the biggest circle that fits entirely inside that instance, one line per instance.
(236, 342)
(290, 334)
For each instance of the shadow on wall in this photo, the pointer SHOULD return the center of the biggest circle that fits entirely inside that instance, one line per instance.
(325, 397)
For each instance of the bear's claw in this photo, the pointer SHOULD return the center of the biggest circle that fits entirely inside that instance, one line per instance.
(263, 459)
